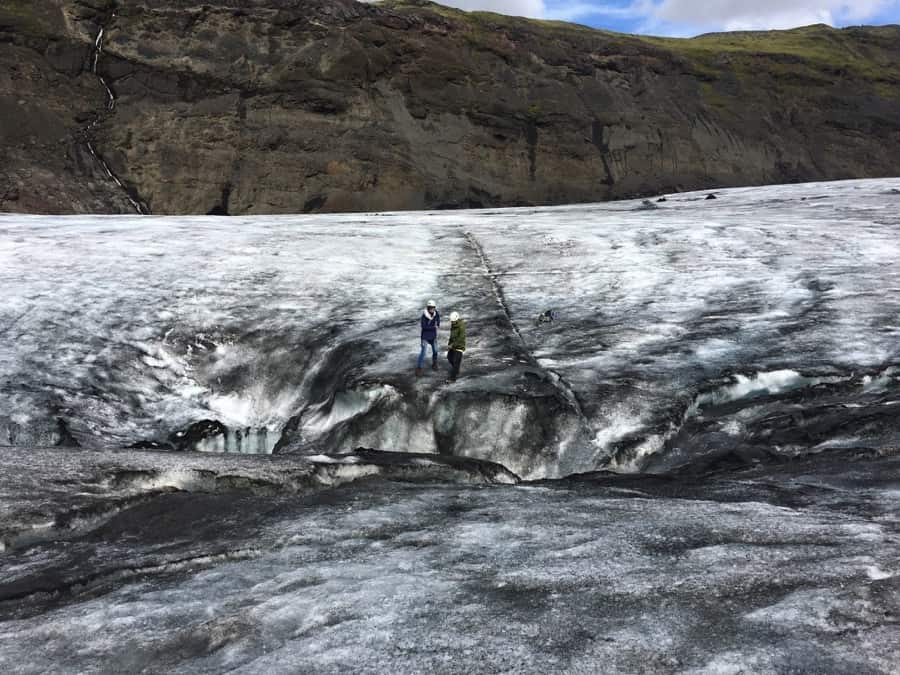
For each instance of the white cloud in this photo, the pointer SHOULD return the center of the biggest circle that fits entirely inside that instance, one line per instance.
(572, 11)
(531, 8)
(564, 10)
(684, 17)
(763, 14)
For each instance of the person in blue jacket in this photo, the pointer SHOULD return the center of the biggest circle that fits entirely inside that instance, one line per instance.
(430, 322)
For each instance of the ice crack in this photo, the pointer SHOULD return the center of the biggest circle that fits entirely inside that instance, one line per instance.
(557, 380)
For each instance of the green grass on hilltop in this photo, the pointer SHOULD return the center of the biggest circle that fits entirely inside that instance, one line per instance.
(828, 50)
(476, 20)
(809, 55)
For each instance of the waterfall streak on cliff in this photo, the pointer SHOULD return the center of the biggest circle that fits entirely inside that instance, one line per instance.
(112, 176)
(98, 47)
(110, 107)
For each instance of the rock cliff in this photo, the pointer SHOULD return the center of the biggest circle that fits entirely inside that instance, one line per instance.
(285, 106)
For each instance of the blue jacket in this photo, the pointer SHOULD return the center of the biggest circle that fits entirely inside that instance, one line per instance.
(430, 325)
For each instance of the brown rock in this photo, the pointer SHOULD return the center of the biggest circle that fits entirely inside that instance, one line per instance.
(285, 106)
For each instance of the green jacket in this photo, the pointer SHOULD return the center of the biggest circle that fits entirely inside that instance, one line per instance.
(457, 336)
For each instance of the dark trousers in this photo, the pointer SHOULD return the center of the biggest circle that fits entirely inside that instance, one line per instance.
(454, 356)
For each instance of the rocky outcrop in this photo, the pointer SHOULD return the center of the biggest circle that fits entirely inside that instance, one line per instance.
(280, 106)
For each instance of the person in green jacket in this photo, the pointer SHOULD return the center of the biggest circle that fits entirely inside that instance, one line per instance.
(457, 344)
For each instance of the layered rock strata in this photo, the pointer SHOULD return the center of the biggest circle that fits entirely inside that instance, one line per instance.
(286, 106)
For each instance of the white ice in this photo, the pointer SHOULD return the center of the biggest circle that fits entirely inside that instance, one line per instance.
(131, 327)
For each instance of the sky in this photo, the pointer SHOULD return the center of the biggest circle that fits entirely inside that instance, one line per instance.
(690, 17)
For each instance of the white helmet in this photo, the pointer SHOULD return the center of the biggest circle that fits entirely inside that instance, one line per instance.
(454, 316)
(431, 304)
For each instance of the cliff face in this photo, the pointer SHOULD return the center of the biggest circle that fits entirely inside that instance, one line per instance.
(277, 106)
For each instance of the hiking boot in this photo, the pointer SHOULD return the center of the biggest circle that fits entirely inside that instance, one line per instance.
(418, 372)
(434, 366)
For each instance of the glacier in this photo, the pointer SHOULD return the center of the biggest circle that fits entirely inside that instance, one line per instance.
(129, 561)
(216, 456)
(674, 329)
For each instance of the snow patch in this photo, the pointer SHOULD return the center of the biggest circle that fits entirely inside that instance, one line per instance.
(877, 574)
(616, 425)
(171, 478)
(346, 473)
(760, 384)
(733, 428)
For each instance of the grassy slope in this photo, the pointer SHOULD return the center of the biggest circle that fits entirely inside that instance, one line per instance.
(813, 54)
(810, 55)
